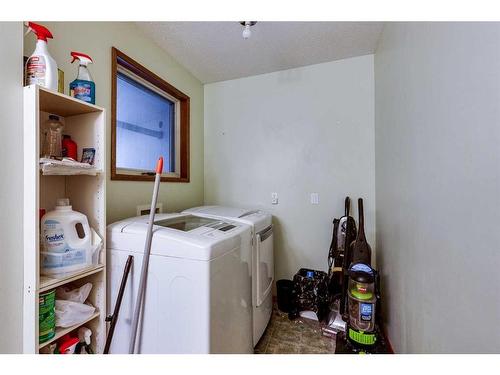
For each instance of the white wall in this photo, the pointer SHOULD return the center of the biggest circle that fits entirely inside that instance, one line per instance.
(96, 40)
(294, 132)
(11, 187)
(438, 184)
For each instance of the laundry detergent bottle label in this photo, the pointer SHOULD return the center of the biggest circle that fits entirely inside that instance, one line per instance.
(54, 241)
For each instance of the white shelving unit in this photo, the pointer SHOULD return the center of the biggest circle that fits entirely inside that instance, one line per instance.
(86, 124)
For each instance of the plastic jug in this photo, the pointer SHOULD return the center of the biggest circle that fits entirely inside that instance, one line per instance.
(67, 240)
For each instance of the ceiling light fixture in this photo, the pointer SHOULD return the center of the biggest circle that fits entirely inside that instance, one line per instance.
(247, 33)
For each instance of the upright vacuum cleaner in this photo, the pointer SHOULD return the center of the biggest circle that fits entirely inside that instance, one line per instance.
(344, 233)
(363, 297)
(360, 298)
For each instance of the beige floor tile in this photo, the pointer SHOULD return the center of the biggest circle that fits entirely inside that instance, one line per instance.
(299, 336)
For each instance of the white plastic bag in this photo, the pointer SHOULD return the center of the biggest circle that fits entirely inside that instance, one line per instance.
(96, 247)
(79, 295)
(70, 306)
(69, 313)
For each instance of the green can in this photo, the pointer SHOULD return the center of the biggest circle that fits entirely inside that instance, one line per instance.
(47, 316)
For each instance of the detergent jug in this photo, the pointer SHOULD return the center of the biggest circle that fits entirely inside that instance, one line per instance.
(67, 240)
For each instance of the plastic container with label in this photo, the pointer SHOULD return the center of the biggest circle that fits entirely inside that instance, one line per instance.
(52, 137)
(69, 147)
(67, 240)
(47, 316)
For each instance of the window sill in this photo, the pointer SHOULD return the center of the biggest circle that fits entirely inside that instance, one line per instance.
(128, 177)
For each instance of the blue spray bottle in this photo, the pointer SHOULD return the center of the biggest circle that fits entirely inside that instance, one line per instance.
(82, 87)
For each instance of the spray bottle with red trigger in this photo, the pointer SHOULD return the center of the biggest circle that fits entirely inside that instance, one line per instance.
(83, 87)
(41, 68)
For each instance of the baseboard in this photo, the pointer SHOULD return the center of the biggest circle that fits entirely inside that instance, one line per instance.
(390, 349)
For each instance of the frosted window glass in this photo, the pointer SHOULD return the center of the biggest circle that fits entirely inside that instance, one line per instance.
(145, 127)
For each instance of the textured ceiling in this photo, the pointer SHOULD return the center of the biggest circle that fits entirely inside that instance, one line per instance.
(216, 51)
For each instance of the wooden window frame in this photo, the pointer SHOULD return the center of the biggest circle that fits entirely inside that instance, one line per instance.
(144, 73)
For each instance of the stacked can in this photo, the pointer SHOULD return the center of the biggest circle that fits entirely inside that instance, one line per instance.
(47, 316)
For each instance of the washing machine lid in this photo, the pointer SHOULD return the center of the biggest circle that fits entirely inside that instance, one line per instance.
(259, 219)
(222, 211)
(188, 223)
(178, 235)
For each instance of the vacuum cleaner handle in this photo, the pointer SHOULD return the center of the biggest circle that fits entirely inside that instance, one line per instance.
(332, 254)
(345, 273)
(361, 215)
(347, 204)
(114, 318)
(145, 259)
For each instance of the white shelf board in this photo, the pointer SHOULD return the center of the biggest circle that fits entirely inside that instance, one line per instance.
(60, 332)
(51, 282)
(64, 105)
(56, 171)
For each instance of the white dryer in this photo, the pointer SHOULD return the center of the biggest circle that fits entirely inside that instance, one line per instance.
(262, 258)
(198, 296)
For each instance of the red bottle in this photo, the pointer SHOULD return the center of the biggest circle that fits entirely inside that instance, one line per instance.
(69, 147)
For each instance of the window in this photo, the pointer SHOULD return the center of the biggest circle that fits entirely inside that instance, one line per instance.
(150, 118)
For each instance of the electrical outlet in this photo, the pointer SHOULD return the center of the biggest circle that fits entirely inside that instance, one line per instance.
(145, 209)
(314, 198)
(274, 198)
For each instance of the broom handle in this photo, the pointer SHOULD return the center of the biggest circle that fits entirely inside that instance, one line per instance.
(145, 259)
(114, 318)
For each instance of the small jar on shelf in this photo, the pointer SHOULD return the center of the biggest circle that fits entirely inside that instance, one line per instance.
(52, 137)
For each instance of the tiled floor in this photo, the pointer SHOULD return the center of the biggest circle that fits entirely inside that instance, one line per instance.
(300, 336)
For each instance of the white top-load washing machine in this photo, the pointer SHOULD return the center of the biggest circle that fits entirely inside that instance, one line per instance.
(262, 257)
(198, 296)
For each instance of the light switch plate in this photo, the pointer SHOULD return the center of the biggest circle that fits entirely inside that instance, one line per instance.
(274, 198)
(314, 198)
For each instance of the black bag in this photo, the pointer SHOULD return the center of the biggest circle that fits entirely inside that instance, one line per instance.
(310, 292)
